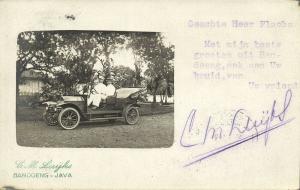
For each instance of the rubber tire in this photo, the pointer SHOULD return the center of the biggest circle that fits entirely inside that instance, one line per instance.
(126, 117)
(62, 112)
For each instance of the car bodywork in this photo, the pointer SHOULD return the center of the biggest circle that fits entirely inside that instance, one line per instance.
(115, 107)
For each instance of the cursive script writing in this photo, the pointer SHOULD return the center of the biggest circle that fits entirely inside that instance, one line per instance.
(266, 120)
(54, 166)
(242, 125)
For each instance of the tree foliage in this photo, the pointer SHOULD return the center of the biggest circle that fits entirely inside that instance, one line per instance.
(159, 59)
(123, 76)
(67, 58)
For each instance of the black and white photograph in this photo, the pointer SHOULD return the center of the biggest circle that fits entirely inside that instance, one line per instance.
(101, 89)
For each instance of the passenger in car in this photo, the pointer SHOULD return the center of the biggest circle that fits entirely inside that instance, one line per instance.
(110, 89)
(98, 94)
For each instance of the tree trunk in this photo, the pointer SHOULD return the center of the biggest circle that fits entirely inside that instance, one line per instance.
(108, 64)
(155, 91)
(161, 99)
(154, 97)
(166, 96)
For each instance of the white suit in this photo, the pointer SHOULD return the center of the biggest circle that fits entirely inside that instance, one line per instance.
(110, 90)
(100, 93)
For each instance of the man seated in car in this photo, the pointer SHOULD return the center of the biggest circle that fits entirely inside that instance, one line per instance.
(98, 94)
(110, 89)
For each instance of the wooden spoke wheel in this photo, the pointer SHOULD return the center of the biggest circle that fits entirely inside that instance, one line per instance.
(132, 115)
(69, 118)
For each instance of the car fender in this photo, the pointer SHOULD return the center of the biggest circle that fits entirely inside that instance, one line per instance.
(49, 103)
(128, 106)
(65, 105)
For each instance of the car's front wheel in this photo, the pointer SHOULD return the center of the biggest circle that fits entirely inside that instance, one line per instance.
(69, 118)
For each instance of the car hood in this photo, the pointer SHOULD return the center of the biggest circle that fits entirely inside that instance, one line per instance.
(73, 98)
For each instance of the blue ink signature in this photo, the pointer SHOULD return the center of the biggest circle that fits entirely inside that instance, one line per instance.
(270, 120)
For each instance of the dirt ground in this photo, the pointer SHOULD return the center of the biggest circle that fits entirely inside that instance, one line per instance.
(150, 132)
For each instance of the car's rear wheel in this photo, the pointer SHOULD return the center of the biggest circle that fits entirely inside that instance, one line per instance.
(69, 118)
(132, 115)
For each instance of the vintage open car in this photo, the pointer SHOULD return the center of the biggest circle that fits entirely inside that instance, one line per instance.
(72, 110)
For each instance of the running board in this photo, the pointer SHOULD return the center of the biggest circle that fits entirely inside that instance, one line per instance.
(107, 118)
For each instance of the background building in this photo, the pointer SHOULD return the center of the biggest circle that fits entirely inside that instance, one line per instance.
(31, 83)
